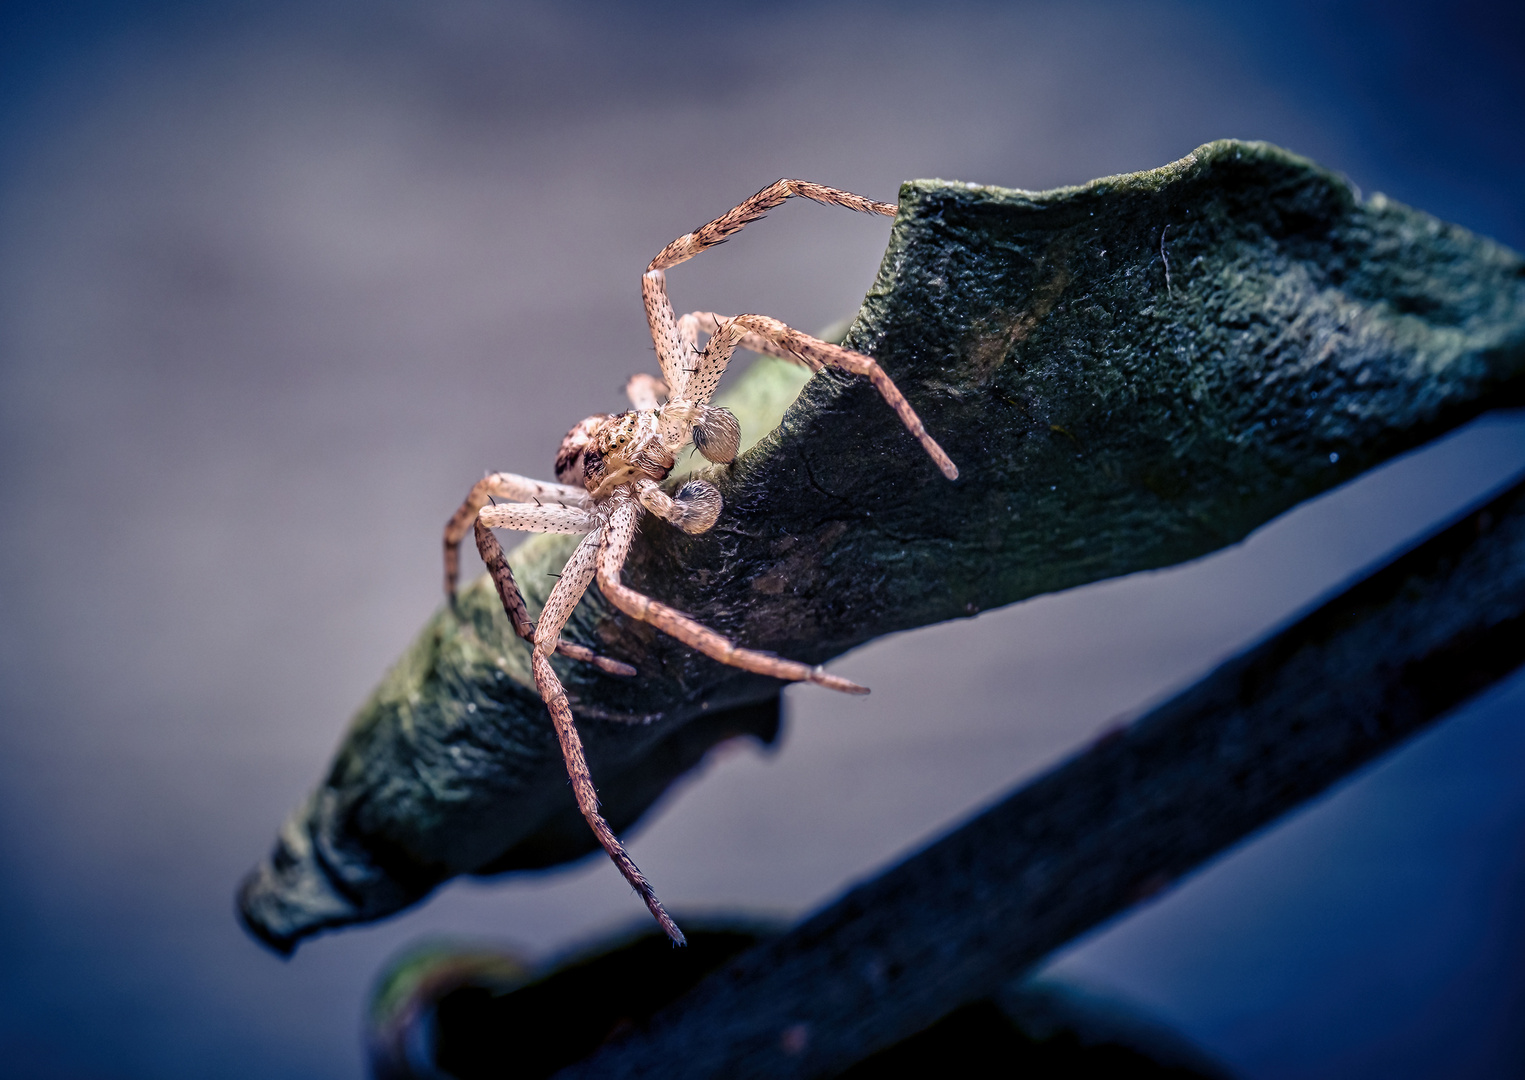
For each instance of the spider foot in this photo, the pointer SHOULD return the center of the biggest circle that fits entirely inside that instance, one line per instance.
(821, 677)
(664, 920)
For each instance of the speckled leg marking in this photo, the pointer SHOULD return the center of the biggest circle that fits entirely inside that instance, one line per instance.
(532, 517)
(502, 576)
(574, 581)
(675, 352)
(688, 330)
(738, 217)
(617, 537)
(705, 377)
(691, 395)
(503, 485)
(575, 578)
(708, 322)
(518, 615)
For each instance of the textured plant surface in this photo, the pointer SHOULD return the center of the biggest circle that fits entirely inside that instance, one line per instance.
(1128, 374)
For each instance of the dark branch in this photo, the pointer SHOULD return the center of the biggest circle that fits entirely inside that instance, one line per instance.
(1144, 806)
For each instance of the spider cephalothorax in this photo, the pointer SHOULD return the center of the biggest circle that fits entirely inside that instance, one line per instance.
(611, 470)
(603, 451)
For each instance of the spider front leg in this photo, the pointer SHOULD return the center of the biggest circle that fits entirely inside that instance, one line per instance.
(715, 431)
(503, 485)
(773, 338)
(708, 322)
(617, 536)
(574, 581)
(673, 338)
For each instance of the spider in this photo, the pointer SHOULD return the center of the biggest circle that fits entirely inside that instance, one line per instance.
(610, 470)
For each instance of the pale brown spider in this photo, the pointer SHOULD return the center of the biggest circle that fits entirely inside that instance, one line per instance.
(611, 468)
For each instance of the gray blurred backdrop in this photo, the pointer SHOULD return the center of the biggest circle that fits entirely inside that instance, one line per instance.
(279, 281)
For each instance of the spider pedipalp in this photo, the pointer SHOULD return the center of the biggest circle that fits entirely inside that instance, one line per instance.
(717, 434)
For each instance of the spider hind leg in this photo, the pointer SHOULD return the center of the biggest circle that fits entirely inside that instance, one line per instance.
(587, 796)
(496, 561)
(575, 578)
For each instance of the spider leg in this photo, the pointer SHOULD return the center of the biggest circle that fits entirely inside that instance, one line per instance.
(676, 349)
(574, 581)
(503, 577)
(688, 330)
(537, 517)
(587, 796)
(690, 403)
(816, 354)
(709, 323)
(674, 338)
(645, 391)
(773, 338)
(738, 217)
(695, 635)
(763, 334)
(513, 603)
(501, 485)
(724, 338)
(575, 578)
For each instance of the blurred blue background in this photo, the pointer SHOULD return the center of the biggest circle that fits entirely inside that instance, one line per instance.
(278, 281)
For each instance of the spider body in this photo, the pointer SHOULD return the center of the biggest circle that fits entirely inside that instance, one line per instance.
(610, 470)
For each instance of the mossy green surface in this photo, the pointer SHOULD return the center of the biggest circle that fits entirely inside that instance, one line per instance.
(1107, 416)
